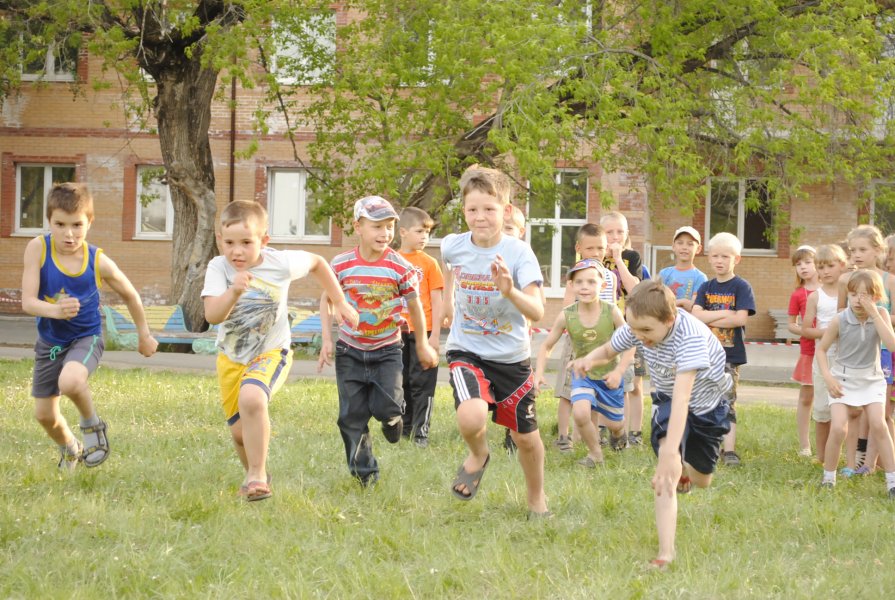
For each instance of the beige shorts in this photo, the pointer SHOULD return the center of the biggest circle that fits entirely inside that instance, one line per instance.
(821, 408)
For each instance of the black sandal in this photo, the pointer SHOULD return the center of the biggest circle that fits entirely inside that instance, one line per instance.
(470, 480)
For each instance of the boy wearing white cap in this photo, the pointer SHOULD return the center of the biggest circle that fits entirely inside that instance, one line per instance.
(369, 364)
(684, 278)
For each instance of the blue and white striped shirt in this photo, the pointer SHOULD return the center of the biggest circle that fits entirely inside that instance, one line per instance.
(690, 346)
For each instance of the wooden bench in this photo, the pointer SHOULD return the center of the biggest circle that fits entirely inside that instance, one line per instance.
(781, 325)
(167, 325)
(165, 322)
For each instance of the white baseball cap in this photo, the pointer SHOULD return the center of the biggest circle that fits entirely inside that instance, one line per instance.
(691, 231)
(374, 208)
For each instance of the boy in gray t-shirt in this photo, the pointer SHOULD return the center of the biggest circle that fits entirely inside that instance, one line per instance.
(494, 286)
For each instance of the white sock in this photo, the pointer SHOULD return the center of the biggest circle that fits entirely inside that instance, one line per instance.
(830, 476)
(890, 480)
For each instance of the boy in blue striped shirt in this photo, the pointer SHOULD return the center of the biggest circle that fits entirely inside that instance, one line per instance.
(686, 365)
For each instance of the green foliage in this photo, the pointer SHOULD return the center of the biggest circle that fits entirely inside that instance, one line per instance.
(161, 518)
(406, 93)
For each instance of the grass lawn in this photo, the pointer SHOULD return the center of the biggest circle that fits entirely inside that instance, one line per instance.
(161, 518)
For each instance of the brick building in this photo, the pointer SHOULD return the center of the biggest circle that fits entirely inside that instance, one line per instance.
(49, 133)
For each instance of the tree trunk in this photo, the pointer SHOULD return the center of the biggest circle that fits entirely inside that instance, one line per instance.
(183, 110)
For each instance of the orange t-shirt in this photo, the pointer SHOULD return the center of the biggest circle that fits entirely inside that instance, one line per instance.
(429, 277)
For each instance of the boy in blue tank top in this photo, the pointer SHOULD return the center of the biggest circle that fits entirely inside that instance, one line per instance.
(60, 286)
(590, 322)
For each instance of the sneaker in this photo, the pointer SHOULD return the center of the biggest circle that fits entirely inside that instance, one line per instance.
(604, 435)
(847, 472)
(805, 452)
(635, 438)
(618, 443)
(68, 460)
(730, 458)
(421, 442)
(863, 470)
(827, 485)
(563, 443)
(392, 429)
(891, 493)
(508, 444)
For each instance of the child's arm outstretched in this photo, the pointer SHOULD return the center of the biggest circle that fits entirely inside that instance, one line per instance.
(823, 364)
(614, 377)
(341, 309)
(528, 300)
(597, 356)
(118, 281)
(447, 305)
(669, 469)
(559, 327)
(426, 353)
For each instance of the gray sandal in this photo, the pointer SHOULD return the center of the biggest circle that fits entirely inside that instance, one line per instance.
(68, 460)
(470, 480)
(102, 444)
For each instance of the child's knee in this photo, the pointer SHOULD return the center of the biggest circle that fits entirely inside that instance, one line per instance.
(46, 415)
(252, 400)
(72, 382)
(528, 442)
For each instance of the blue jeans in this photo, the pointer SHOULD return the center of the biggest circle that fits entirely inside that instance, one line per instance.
(369, 384)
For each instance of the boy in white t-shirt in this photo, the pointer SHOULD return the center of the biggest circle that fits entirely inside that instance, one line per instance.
(245, 291)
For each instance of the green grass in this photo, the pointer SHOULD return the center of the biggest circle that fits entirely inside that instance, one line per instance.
(161, 518)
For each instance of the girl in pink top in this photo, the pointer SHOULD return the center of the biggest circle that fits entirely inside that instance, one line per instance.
(806, 283)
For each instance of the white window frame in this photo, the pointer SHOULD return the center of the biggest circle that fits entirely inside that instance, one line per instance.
(50, 72)
(328, 44)
(48, 184)
(554, 288)
(741, 215)
(169, 211)
(300, 237)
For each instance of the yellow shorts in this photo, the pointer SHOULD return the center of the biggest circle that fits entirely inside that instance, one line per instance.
(268, 371)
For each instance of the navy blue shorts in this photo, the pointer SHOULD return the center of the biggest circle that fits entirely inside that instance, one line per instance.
(701, 442)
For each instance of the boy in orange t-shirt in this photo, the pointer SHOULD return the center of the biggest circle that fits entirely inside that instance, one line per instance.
(419, 384)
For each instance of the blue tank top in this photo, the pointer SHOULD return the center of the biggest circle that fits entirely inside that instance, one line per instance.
(57, 283)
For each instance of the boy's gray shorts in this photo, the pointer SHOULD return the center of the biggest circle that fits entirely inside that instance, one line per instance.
(49, 360)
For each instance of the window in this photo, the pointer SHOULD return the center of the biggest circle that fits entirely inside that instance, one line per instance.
(552, 228)
(33, 183)
(291, 207)
(155, 212)
(882, 208)
(742, 207)
(307, 50)
(56, 61)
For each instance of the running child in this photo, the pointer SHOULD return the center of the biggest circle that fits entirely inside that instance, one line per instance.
(414, 226)
(378, 282)
(687, 368)
(61, 283)
(855, 378)
(246, 289)
(806, 282)
(590, 322)
(496, 283)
